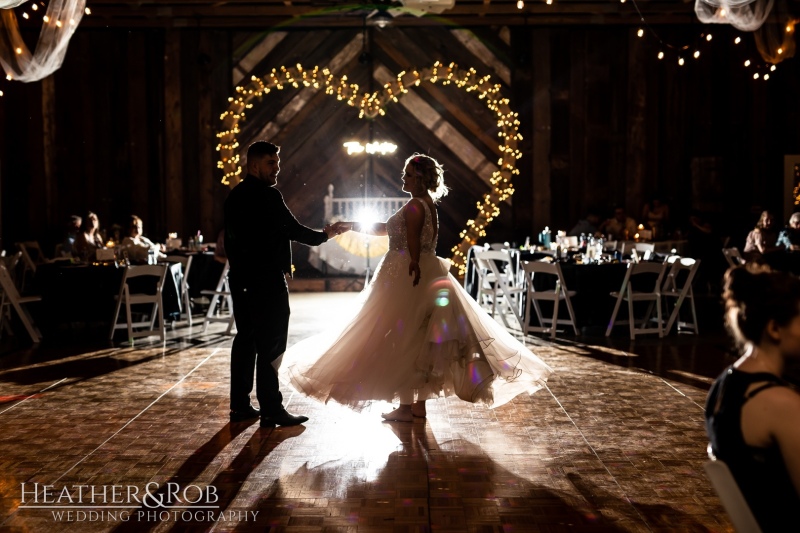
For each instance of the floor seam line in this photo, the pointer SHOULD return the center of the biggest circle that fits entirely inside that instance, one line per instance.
(140, 413)
(32, 395)
(624, 492)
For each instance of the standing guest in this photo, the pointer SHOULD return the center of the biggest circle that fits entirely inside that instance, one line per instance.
(620, 227)
(655, 215)
(763, 238)
(418, 334)
(789, 236)
(89, 240)
(752, 412)
(139, 246)
(220, 256)
(259, 229)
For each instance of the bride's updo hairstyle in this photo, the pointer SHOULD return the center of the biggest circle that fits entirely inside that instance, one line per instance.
(431, 174)
(753, 296)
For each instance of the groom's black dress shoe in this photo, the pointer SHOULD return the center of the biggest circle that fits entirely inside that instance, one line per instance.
(247, 413)
(284, 418)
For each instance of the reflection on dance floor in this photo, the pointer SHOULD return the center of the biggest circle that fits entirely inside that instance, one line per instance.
(616, 443)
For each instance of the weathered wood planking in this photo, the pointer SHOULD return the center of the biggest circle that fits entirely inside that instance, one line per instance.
(464, 108)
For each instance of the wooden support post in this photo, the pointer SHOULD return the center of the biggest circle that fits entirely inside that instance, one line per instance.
(172, 207)
(635, 171)
(542, 193)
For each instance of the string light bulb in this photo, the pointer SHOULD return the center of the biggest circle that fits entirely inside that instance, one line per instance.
(34, 7)
(708, 37)
(371, 106)
(747, 62)
(25, 15)
(520, 4)
(755, 76)
(696, 54)
(88, 11)
(661, 55)
(737, 40)
(780, 51)
(640, 32)
(766, 77)
(680, 61)
(772, 68)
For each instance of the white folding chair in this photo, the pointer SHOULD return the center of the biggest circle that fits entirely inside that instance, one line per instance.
(731, 497)
(186, 302)
(678, 288)
(12, 298)
(32, 256)
(11, 262)
(496, 274)
(643, 272)
(220, 300)
(611, 246)
(126, 296)
(733, 256)
(556, 295)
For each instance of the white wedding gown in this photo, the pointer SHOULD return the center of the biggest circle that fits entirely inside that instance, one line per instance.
(432, 338)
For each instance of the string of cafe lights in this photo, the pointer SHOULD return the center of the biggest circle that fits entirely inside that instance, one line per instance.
(682, 54)
(36, 9)
(371, 106)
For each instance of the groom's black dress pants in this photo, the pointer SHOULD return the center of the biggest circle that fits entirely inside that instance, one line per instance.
(261, 310)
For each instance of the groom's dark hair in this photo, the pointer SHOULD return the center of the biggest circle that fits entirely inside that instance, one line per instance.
(259, 149)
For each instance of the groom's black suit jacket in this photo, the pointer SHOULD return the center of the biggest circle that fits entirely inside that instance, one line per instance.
(259, 229)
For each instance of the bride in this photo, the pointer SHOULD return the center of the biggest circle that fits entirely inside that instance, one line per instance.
(418, 334)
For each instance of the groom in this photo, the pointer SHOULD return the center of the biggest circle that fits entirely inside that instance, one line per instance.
(259, 229)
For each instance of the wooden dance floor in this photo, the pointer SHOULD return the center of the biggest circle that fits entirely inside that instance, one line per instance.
(138, 439)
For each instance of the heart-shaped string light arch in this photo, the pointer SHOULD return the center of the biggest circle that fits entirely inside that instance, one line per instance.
(372, 105)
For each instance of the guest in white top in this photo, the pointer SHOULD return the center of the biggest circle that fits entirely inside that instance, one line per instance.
(138, 245)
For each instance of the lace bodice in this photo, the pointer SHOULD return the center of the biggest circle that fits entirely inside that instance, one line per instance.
(398, 233)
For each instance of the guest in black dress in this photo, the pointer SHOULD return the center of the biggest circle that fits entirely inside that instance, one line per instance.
(752, 411)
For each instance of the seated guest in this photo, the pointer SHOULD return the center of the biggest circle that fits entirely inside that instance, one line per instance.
(763, 238)
(789, 237)
(752, 412)
(89, 239)
(586, 225)
(73, 230)
(620, 227)
(139, 246)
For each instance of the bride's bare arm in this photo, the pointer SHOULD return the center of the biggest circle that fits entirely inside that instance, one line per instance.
(375, 228)
(415, 218)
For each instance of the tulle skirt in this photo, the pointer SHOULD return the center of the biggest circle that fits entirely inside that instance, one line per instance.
(432, 339)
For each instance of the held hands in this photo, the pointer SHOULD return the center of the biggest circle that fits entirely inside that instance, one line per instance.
(337, 228)
(413, 270)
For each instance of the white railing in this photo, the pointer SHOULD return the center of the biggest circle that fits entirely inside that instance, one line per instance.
(361, 209)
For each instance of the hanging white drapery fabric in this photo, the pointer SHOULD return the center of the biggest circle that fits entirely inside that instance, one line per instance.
(744, 15)
(11, 4)
(62, 19)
